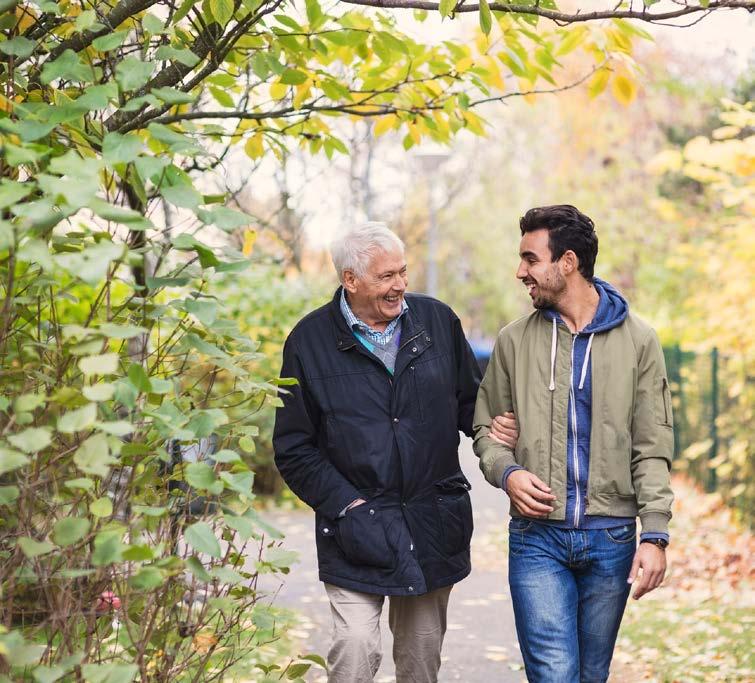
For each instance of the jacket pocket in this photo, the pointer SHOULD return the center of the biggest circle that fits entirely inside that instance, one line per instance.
(362, 538)
(663, 414)
(454, 509)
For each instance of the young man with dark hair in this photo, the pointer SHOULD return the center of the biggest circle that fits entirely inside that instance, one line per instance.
(586, 380)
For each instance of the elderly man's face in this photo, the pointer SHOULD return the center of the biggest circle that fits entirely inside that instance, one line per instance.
(378, 297)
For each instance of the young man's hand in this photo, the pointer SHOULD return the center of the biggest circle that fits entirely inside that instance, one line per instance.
(652, 560)
(529, 495)
(504, 430)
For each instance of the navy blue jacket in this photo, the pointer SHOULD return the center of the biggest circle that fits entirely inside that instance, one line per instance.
(350, 430)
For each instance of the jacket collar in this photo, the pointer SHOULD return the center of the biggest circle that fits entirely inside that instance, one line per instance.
(412, 330)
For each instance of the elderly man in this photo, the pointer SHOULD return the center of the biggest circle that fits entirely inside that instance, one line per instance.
(369, 439)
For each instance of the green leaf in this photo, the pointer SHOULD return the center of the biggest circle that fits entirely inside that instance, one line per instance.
(108, 548)
(48, 674)
(69, 530)
(200, 475)
(297, 670)
(139, 553)
(222, 10)
(8, 494)
(226, 456)
(241, 482)
(182, 10)
(110, 41)
(67, 67)
(116, 428)
(93, 456)
(293, 77)
(32, 548)
(486, 21)
(225, 218)
(98, 392)
(184, 196)
(222, 97)
(206, 310)
(152, 24)
(201, 537)
(179, 143)
(115, 331)
(121, 149)
(105, 364)
(173, 54)
(317, 659)
(133, 73)
(77, 420)
(82, 483)
(138, 377)
(244, 526)
(197, 568)
(92, 264)
(185, 242)
(147, 579)
(32, 440)
(314, 12)
(173, 96)
(102, 507)
(17, 47)
(446, 7)
(109, 673)
(27, 402)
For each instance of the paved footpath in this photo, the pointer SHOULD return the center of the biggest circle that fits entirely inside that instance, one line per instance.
(480, 644)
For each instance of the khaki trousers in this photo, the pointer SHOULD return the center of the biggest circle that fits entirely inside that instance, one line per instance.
(418, 625)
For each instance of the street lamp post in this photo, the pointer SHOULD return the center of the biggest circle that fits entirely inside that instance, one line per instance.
(430, 163)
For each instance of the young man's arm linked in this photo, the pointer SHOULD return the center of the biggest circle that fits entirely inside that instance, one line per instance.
(493, 441)
(652, 451)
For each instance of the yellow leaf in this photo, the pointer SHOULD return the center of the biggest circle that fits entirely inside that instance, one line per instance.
(278, 91)
(624, 89)
(598, 83)
(384, 124)
(475, 124)
(254, 146)
(464, 64)
(301, 93)
(414, 132)
(250, 237)
(493, 76)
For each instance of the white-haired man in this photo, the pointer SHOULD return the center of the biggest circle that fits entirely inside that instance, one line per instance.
(369, 439)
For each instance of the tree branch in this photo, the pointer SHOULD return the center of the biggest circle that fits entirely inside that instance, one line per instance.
(564, 17)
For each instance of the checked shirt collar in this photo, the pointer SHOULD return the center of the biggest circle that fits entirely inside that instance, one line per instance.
(355, 324)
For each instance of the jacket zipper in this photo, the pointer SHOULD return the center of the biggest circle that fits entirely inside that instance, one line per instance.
(573, 398)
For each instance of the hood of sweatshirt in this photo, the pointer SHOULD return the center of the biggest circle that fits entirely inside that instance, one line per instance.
(611, 312)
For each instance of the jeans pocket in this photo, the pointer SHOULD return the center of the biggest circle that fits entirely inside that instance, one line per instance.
(518, 527)
(623, 534)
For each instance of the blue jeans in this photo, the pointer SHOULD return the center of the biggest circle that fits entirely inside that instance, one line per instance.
(569, 589)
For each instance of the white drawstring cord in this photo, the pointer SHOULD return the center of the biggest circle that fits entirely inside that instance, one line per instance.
(587, 360)
(552, 385)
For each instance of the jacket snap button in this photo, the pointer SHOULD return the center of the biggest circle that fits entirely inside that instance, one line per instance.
(427, 338)
(395, 419)
(372, 512)
(411, 589)
(326, 530)
(414, 349)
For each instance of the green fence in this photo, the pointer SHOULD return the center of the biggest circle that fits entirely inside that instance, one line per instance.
(714, 398)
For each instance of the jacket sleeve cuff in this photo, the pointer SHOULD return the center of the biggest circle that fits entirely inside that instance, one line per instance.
(654, 523)
(652, 536)
(507, 472)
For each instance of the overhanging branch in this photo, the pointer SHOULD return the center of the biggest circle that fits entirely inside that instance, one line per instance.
(564, 17)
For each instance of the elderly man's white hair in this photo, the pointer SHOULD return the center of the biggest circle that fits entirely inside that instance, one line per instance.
(356, 248)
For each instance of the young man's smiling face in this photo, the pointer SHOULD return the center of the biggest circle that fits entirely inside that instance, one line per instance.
(541, 276)
(378, 297)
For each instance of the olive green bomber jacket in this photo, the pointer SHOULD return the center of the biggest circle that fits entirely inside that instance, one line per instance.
(631, 437)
